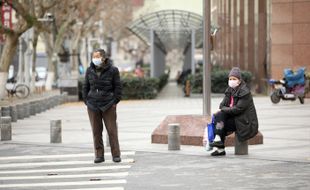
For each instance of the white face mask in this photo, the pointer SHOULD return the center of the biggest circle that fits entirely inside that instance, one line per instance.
(97, 61)
(233, 83)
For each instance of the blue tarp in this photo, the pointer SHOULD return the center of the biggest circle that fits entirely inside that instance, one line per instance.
(296, 78)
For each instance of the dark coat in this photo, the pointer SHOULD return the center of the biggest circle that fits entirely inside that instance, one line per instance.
(243, 111)
(101, 92)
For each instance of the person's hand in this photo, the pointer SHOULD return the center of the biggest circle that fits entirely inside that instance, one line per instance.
(217, 111)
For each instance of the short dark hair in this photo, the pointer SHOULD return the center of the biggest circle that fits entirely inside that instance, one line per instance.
(101, 51)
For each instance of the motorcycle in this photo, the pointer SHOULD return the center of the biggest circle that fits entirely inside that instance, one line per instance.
(291, 87)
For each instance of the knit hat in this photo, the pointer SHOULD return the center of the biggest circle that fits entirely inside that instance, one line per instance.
(235, 71)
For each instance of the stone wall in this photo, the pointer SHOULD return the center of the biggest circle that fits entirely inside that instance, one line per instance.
(290, 36)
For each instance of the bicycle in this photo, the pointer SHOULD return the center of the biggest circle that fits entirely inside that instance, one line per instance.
(20, 90)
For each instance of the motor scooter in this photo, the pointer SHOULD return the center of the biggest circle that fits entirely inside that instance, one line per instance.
(291, 87)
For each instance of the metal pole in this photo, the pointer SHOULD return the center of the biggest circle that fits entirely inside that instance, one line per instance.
(193, 51)
(152, 53)
(206, 59)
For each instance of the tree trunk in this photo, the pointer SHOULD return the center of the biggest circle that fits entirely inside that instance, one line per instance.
(9, 50)
(34, 58)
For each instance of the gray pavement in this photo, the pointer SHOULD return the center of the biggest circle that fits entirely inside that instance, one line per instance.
(282, 162)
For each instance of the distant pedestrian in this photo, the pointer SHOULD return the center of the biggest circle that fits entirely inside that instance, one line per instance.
(101, 93)
(237, 113)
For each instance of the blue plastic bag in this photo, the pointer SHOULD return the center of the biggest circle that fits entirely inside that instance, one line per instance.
(209, 134)
(211, 130)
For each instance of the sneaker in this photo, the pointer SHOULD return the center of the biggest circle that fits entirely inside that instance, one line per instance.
(99, 160)
(117, 159)
(218, 144)
(218, 153)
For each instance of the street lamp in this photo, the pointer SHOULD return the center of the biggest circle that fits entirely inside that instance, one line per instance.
(207, 59)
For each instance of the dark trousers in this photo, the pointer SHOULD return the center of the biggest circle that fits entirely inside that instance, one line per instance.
(109, 118)
(229, 124)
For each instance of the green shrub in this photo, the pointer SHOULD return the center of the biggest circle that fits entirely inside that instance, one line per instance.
(163, 80)
(137, 88)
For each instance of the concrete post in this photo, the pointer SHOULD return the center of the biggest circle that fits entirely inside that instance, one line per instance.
(26, 110)
(13, 112)
(6, 128)
(32, 108)
(5, 111)
(20, 111)
(55, 131)
(241, 148)
(174, 139)
(37, 107)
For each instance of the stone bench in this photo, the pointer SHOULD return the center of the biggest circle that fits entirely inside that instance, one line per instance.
(192, 130)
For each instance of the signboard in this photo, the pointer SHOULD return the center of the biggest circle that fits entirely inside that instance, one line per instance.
(6, 19)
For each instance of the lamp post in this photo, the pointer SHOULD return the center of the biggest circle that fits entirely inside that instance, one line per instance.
(206, 59)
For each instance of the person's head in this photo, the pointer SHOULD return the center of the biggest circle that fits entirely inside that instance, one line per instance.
(234, 77)
(98, 57)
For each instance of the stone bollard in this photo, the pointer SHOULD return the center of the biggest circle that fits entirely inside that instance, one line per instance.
(48, 103)
(20, 111)
(5, 111)
(241, 148)
(55, 131)
(26, 110)
(37, 107)
(32, 108)
(174, 139)
(6, 128)
(13, 113)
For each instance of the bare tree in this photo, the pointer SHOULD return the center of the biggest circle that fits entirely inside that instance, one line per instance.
(27, 13)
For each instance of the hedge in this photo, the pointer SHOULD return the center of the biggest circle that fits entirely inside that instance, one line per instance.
(137, 88)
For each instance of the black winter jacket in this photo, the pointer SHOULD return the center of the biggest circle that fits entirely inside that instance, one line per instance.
(101, 92)
(243, 111)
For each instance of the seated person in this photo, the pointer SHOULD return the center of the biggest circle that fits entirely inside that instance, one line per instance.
(237, 114)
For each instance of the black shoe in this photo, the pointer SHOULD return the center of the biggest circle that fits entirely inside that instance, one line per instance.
(218, 153)
(117, 159)
(218, 144)
(99, 160)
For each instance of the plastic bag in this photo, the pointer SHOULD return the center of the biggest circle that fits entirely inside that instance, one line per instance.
(209, 134)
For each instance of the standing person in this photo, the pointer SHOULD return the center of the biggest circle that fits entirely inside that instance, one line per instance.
(101, 93)
(237, 113)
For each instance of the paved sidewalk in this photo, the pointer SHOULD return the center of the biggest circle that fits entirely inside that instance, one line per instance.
(284, 158)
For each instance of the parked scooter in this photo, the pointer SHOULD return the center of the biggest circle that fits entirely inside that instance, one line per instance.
(291, 87)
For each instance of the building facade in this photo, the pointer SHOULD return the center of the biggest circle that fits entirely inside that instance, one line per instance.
(262, 36)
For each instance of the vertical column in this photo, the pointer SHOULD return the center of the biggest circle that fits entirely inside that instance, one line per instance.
(241, 34)
(206, 59)
(152, 53)
(220, 33)
(193, 42)
(229, 34)
(235, 35)
(159, 61)
(251, 36)
(262, 45)
(187, 58)
(225, 34)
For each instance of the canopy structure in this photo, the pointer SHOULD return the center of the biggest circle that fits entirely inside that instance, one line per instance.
(169, 29)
